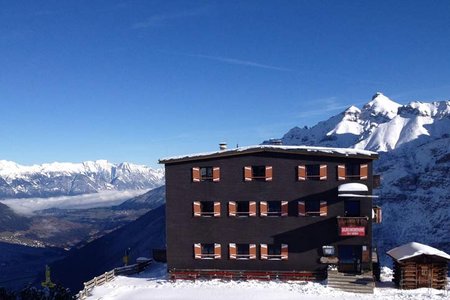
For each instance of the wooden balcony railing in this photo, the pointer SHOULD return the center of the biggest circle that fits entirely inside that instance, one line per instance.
(352, 226)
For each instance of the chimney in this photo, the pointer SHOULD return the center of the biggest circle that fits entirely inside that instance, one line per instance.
(276, 142)
(223, 146)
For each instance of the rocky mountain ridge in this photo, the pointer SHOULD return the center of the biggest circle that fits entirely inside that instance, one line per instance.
(58, 179)
(381, 125)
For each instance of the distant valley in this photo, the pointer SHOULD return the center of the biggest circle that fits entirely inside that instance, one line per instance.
(42, 237)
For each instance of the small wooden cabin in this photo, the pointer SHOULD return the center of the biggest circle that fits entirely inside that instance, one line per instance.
(417, 266)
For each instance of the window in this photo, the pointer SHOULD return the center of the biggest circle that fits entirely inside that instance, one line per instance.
(353, 171)
(200, 174)
(312, 172)
(258, 173)
(274, 251)
(242, 209)
(207, 251)
(273, 208)
(206, 209)
(328, 250)
(206, 173)
(242, 251)
(312, 208)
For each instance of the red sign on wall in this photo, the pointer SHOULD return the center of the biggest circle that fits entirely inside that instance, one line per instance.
(353, 231)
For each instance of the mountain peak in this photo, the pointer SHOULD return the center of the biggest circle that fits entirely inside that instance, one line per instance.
(376, 95)
(380, 106)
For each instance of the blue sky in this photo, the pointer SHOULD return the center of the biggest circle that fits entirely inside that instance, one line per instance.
(139, 80)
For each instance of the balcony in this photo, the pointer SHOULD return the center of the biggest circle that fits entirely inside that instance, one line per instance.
(352, 226)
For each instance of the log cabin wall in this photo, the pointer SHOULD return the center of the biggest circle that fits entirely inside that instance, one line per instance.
(304, 236)
(419, 273)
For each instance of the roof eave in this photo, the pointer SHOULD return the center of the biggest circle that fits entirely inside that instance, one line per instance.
(236, 152)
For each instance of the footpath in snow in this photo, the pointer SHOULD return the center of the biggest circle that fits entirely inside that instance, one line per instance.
(152, 284)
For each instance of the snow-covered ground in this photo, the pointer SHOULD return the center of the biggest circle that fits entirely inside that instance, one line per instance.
(152, 284)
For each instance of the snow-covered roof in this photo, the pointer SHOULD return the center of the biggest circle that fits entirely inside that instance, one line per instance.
(274, 148)
(414, 249)
(353, 187)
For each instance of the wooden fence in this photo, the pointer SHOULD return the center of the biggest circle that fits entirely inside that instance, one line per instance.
(108, 276)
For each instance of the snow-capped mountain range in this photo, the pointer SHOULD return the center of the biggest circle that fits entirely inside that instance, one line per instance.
(381, 125)
(413, 141)
(56, 179)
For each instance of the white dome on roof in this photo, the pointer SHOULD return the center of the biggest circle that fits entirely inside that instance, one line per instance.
(353, 187)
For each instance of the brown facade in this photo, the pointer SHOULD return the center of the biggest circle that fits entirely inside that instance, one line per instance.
(246, 212)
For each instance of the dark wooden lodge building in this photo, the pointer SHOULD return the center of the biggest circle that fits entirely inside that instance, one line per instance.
(269, 211)
(417, 266)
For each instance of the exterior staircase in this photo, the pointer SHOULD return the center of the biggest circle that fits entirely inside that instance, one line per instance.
(354, 283)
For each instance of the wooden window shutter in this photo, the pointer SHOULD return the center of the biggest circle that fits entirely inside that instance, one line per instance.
(284, 252)
(248, 173)
(197, 209)
(196, 174)
(264, 251)
(217, 251)
(198, 251)
(216, 174)
(269, 173)
(365, 257)
(301, 208)
(232, 250)
(263, 208)
(341, 172)
(323, 172)
(252, 209)
(252, 251)
(232, 208)
(284, 208)
(377, 215)
(301, 173)
(216, 209)
(323, 208)
(363, 171)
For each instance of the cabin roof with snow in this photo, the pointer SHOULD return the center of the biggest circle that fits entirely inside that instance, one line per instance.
(415, 249)
(300, 150)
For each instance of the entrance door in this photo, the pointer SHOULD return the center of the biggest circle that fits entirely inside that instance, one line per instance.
(350, 258)
(423, 275)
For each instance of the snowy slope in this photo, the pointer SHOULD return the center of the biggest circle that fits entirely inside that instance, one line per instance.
(152, 284)
(56, 179)
(413, 141)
